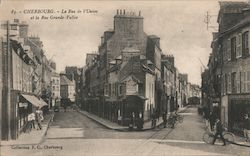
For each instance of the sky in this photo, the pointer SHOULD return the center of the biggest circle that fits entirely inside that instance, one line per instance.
(179, 24)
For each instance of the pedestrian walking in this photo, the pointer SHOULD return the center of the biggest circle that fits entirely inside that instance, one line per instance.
(140, 121)
(164, 118)
(212, 120)
(177, 109)
(65, 107)
(246, 127)
(153, 124)
(206, 117)
(219, 130)
(29, 123)
(132, 121)
(33, 118)
(39, 117)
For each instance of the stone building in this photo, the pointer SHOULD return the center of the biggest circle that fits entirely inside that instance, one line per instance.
(73, 73)
(55, 89)
(127, 71)
(21, 73)
(229, 63)
(169, 83)
(67, 90)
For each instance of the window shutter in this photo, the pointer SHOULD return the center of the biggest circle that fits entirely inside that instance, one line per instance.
(229, 83)
(228, 50)
(239, 46)
(242, 77)
(247, 81)
(248, 43)
(109, 89)
(223, 84)
(238, 81)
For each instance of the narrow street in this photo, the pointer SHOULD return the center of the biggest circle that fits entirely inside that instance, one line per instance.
(74, 133)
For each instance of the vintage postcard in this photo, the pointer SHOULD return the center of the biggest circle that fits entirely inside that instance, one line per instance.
(126, 77)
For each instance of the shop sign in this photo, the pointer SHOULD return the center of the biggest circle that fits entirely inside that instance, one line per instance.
(23, 105)
(216, 104)
(131, 87)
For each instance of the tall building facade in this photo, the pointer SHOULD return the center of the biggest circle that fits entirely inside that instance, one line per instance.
(21, 92)
(227, 89)
(128, 74)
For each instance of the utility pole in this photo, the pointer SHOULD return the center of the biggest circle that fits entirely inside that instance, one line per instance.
(6, 105)
(207, 20)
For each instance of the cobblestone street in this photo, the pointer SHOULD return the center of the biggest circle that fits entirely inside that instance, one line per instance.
(89, 138)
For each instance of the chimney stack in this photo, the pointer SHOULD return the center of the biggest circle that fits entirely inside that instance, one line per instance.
(124, 12)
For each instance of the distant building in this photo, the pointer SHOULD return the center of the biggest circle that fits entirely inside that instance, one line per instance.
(55, 89)
(67, 90)
(183, 83)
(73, 73)
(168, 77)
(90, 59)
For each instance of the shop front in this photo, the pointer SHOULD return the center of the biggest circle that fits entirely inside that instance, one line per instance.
(21, 105)
(238, 108)
(233, 108)
(132, 104)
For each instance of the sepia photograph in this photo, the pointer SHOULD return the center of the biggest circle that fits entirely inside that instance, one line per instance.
(124, 78)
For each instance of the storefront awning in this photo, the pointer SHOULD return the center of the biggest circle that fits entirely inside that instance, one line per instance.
(33, 100)
(43, 103)
(139, 96)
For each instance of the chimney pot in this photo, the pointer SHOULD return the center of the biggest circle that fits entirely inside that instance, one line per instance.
(139, 13)
(117, 12)
(120, 12)
(124, 11)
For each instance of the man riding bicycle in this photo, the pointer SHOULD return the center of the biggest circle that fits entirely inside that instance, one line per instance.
(219, 130)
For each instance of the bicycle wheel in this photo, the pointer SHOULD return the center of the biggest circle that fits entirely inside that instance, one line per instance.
(208, 137)
(229, 137)
(180, 119)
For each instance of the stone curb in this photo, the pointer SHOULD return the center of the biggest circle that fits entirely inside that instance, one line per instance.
(117, 129)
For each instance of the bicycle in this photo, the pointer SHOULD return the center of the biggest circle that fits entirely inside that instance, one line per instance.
(179, 118)
(208, 137)
(171, 122)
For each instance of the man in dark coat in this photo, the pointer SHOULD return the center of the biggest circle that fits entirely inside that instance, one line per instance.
(219, 131)
(246, 127)
(164, 118)
(212, 120)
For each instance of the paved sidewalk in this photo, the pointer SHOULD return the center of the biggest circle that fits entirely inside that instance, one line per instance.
(114, 126)
(34, 137)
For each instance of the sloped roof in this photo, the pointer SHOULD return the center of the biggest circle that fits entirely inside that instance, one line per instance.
(54, 74)
(133, 78)
(65, 81)
(153, 36)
